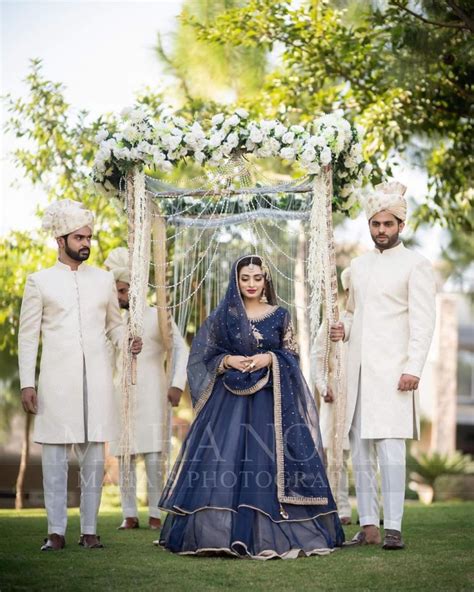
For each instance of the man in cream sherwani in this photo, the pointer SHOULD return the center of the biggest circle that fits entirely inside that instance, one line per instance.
(389, 325)
(73, 307)
(147, 436)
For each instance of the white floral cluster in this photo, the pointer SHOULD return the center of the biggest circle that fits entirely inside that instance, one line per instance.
(160, 143)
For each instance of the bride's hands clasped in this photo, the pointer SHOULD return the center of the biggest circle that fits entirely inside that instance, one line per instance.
(257, 362)
(248, 364)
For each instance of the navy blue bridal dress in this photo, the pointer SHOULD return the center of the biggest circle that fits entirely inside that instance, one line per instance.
(249, 480)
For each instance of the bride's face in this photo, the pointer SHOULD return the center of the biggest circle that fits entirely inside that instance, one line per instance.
(251, 282)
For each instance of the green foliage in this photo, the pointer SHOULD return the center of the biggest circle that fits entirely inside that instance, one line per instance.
(406, 76)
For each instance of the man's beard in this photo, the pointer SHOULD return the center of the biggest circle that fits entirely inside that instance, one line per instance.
(80, 255)
(124, 305)
(391, 242)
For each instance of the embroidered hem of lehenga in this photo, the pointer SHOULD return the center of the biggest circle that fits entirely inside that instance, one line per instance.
(177, 511)
(262, 556)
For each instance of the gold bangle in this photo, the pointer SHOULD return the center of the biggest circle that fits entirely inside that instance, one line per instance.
(224, 362)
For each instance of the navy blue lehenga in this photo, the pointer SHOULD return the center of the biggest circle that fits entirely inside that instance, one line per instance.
(249, 480)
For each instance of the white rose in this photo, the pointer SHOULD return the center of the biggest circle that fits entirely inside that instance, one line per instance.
(217, 119)
(250, 145)
(242, 113)
(288, 138)
(131, 134)
(267, 125)
(367, 169)
(287, 153)
(274, 145)
(101, 135)
(326, 156)
(216, 139)
(233, 120)
(199, 157)
(318, 141)
(308, 155)
(174, 142)
(279, 130)
(197, 130)
(256, 135)
(233, 139)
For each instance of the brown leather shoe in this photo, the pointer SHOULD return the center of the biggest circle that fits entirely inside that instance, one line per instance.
(54, 542)
(129, 524)
(369, 535)
(90, 541)
(154, 523)
(393, 540)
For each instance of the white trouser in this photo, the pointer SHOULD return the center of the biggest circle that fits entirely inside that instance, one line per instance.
(343, 505)
(154, 480)
(390, 453)
(55, 467)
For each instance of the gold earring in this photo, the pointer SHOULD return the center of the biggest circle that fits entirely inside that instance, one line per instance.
(263, 298)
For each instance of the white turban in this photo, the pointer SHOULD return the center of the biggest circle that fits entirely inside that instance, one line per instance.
(65, 216)
(117, 263)
(346, 278)
(387, 197)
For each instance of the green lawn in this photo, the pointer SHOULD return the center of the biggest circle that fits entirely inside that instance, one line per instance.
(439, 556)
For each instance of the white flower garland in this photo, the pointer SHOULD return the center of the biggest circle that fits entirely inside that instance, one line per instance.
(160, 143)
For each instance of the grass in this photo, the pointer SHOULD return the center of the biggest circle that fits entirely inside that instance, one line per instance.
(438, 557)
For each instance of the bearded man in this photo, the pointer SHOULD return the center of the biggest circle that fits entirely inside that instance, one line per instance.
(389, 324)
(73, 308)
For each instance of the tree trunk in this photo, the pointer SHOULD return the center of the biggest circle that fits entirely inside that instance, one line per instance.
(25, 454)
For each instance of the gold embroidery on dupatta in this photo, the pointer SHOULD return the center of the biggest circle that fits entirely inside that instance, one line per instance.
(279, 445)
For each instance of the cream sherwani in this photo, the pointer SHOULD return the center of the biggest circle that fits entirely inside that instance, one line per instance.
(389, 325)
(152, 386)
(147, 437)
(74, 312)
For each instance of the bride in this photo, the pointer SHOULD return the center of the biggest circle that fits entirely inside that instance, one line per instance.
(249, 480)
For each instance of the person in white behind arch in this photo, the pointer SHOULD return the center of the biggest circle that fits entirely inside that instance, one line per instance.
(147, 438)
(73, 308)
(389, 324)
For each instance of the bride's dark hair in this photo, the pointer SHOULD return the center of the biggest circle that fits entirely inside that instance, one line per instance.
(269, 288)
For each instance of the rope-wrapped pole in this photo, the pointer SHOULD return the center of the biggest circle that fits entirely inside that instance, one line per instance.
(166, 331)
(322, 275)
(334, 356)
(138, 212)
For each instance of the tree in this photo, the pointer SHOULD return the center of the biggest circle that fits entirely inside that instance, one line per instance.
(405, 75)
